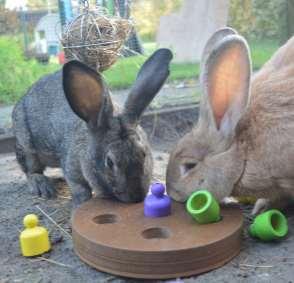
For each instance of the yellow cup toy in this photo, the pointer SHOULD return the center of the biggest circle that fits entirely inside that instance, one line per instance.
(34, 239)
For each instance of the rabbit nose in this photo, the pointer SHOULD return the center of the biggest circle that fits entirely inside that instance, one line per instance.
(186, 167)
(177, 194)
(136, 195)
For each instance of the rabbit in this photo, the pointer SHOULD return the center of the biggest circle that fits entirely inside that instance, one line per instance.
(67, 120)
(242, 145)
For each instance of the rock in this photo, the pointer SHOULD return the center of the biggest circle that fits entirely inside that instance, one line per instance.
(188, 30)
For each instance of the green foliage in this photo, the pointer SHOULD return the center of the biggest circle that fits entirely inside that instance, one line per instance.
(33, 4)
(9, 23)
(147, 15)
(256, 19)
(262, 51)
(270, 17)
(124, 72)
(241, 16)
(16, 73)
(184, 71)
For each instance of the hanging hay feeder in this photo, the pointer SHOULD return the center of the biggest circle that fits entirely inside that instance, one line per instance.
(95, 39)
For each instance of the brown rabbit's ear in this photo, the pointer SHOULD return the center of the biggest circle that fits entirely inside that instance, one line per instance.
(213, 40)
(226, 82)
(86, 94)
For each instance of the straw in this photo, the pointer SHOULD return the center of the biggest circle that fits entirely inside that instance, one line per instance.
(95, 38)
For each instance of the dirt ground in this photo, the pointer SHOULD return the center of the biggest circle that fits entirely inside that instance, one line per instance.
(257, 262)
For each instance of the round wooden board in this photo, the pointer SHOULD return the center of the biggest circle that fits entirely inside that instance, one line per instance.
(116, 238)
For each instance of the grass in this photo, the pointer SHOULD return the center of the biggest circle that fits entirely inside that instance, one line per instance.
(17, 74)
(261, 52)
(19, 78)
(123, 73)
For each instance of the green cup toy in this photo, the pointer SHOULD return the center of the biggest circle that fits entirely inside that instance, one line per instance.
(203, 207)
(270, 225)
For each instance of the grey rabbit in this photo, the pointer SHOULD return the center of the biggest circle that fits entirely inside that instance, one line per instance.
(67, 120)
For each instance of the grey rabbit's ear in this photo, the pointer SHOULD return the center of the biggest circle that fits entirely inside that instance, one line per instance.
(86, 94)
(226, 83)
(150, 79)
(213, 40)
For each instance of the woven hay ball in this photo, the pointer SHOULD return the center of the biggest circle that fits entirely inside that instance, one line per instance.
(95, 39)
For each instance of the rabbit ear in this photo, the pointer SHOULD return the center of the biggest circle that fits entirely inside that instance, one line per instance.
(86, 94)
(213, 40)
(226, 81)
(149, 80)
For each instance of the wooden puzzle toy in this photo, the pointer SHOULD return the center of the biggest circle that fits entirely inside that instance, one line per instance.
(270, 225)
(117, 238)
(34, 239)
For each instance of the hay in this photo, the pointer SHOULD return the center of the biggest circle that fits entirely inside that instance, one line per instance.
(95, 39)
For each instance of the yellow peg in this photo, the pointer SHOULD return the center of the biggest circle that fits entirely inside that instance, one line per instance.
(34, 239)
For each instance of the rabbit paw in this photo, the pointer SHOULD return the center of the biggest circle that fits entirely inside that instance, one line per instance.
(260, 206)
(41, 186)
(229, 200)
(78, 199)
(80, 194)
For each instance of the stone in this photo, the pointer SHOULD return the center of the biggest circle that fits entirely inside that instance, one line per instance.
(187, 30)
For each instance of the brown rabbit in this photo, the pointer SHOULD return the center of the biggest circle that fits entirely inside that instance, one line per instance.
(243, 143)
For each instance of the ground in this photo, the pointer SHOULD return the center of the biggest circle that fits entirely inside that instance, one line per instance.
(257, 262)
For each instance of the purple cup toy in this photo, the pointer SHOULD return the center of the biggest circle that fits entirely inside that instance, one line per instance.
(157, 204)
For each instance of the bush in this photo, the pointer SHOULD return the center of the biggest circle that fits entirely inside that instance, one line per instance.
(9, 23)
(16, 73)
(270, 18)
(258, 19)
(147, 15)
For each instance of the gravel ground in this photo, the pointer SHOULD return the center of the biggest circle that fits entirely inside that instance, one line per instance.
(257, 262)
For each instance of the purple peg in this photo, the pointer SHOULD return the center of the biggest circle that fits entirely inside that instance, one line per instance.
(157, 204)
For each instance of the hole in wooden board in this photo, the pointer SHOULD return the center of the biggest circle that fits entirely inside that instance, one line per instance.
(156, 233)
(106, 218)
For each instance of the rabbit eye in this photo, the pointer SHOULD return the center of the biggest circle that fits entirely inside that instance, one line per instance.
(109, 162)
(185, 168)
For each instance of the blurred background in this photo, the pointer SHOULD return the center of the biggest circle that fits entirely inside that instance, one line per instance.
(30, 36)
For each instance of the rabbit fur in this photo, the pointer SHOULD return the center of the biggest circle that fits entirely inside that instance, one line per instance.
(242, 144)
(67, 120)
